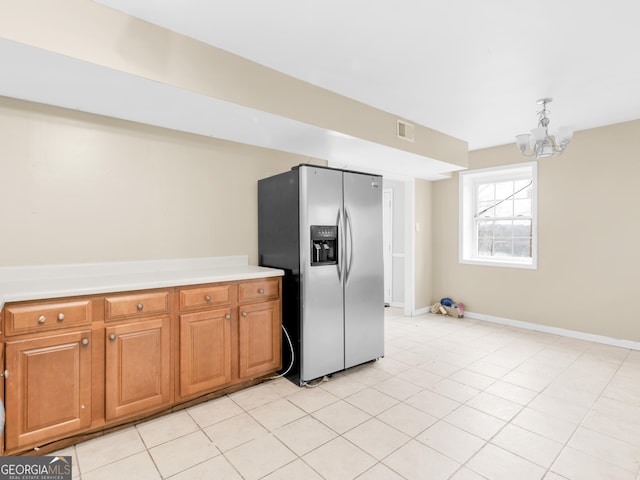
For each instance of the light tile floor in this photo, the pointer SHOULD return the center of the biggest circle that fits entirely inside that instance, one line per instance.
(452, 399)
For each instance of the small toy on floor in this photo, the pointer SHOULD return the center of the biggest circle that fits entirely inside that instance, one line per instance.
(447, 306)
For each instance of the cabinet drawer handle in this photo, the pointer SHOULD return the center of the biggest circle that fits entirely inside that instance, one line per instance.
(261, 291)
(140, 307)
(60, 317)
(112, 337)
(85, 341)
(42, 319)
(244, 314)
(227, 316)
(207, 298)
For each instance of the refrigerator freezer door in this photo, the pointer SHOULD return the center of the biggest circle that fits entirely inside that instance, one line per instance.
(322, 322)
(364, 285)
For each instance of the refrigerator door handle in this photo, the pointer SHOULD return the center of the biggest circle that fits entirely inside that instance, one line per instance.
(349, 261)
(340, 263)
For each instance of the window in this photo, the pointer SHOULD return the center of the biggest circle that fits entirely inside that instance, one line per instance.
(498, 216)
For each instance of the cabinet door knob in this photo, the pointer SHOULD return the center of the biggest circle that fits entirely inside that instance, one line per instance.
(42, 319)
(112, 337)
(60, 317)
(140, 307)
(261, 291)
(227, 316)
(244, 314)
(85, 341)
(207, 298)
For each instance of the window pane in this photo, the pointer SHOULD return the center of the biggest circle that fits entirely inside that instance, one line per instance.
(522, 207)
(486, 192)
(520, 185)
(505, 209)
(503, 190)
(504, 238)
(502, 247)
(485, 229)
(485, 246)
(503, 228)
(522, 247)
(522, 228)
(484, 209)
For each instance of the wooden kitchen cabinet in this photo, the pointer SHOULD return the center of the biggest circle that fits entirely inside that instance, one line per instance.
(48, 388)
(2, 393)
(260, 340)
(259, 336)
(77, 366)
(230, 345)
(205, 351)
(137, 367)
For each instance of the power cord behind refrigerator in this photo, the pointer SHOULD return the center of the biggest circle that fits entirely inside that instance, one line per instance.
(292, 355)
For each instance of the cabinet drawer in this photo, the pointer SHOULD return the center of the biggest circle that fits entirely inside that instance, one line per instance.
(136, 305)
(46, 316)
(266, 289)
(214, 295)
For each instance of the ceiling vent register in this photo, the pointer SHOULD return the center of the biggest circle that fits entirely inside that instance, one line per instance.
(405, 131)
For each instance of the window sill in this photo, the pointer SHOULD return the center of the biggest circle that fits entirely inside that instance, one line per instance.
(493, 262)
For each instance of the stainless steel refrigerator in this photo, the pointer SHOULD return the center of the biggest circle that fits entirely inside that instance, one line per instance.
(323, 227)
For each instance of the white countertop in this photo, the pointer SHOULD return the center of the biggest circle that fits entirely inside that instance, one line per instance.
(35, 282)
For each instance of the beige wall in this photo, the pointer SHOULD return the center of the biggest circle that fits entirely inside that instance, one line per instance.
(588, 240)
(83, 188)
(423, 244)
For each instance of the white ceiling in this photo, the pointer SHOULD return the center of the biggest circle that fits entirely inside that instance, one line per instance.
(470, 69)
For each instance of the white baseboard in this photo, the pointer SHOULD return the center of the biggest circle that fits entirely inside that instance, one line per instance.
(590, 337)
(422, 311)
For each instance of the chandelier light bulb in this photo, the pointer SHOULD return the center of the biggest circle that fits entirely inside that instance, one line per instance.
(538, 134)
(563, 135)
(522, 140)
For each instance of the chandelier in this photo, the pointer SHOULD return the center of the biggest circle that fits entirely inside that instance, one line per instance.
(540, 143)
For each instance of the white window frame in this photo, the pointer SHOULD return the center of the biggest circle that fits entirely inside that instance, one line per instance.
(468, 243)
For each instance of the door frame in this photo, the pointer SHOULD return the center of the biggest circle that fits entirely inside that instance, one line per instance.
(410, 248)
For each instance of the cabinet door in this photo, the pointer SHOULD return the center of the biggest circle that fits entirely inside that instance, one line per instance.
(48, 388)
(205, 351)
(137, 360)
(259, 339)
(2, 396)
